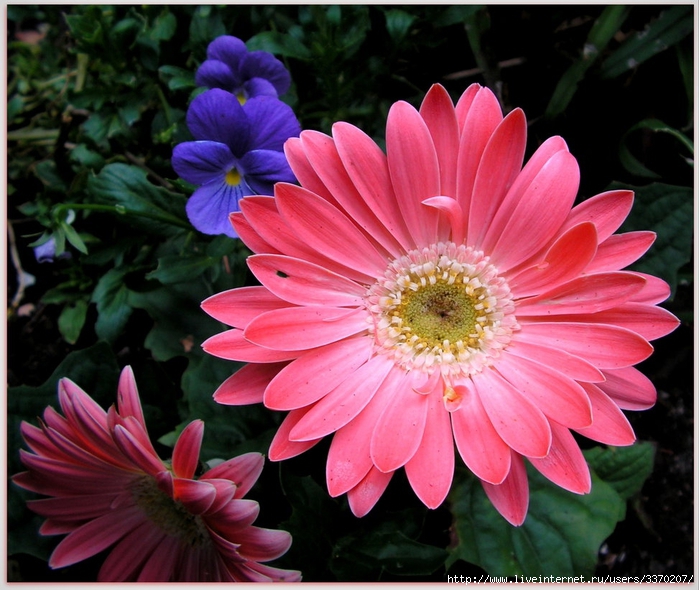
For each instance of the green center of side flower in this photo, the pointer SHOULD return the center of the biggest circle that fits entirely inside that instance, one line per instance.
(233, 177)
(442, 308)
(169, 514)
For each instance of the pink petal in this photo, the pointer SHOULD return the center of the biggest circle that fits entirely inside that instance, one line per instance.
(629, 388)
(535, 214)
(565, 363)
(565, 260)
(349, 457)
(606, 210)
(511, 497)
(367, 167)
(225, 492)
(281, 447)
(303, 283)
(414, 169)
(478, 118)
(323, 155)
(141, 455)
(243, 471)
(275, 574)
(304, 172)
(233, 517)
(248, 235)
(557, 396)
(454, 215)
(655, 290)
(517, 420)
(431, 469)
(126, 559)
(586, 294)
(533, 168)
(69, 395)
(83, 507)
(161, 564)
(196, 496)
(238, 307)
(344, 402)
(364, 496)
(479, 444)
(609, 425)
(129, 402)
(327, 230)
(648, 321)
(500, 164)
(316, 373)
(437, 110)
(95, 536)
(247, 385)
(565, 464)
(233, 345)
(262, 544)
(264, 218)
(464, 103)
(620, 250)
(185, 455)
(607, 347)
(400, 428)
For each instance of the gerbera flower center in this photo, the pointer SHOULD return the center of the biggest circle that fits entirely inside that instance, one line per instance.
(233, 177)
(442, 308)
(169, 514)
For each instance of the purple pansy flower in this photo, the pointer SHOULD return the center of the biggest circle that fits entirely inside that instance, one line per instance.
(247, 74)
(46, 252)
(238, 151)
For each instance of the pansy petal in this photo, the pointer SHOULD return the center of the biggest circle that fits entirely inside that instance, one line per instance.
(262, 64)
(271, 121)
(216, 115)
(263, 168)
(209, 206)
(213, 73)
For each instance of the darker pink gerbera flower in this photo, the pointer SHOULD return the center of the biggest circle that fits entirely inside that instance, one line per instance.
(108, 488)
(441, 293)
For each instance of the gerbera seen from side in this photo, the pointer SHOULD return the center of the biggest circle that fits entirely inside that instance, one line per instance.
(107, 488)
(436, 296)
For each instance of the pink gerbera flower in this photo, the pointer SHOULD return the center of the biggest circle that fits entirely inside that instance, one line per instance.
(108, 488)
(441, 293)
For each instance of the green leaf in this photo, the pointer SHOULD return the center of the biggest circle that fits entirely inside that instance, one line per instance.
(176, 78)
(671, 26)
(667, 210)
(398, 23)
(164, 26)
(81, 154)
(456, 14)
(73, 237)
(561, 535)
(205, 26)
(279, 44)
(313, 513)
(153, 209)
(178, 269)
(111, 296)
(72, 320)
(230, 430)
(180, 325)
(358, 557)
(602, 31)
(631, 163)
(624, 468)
